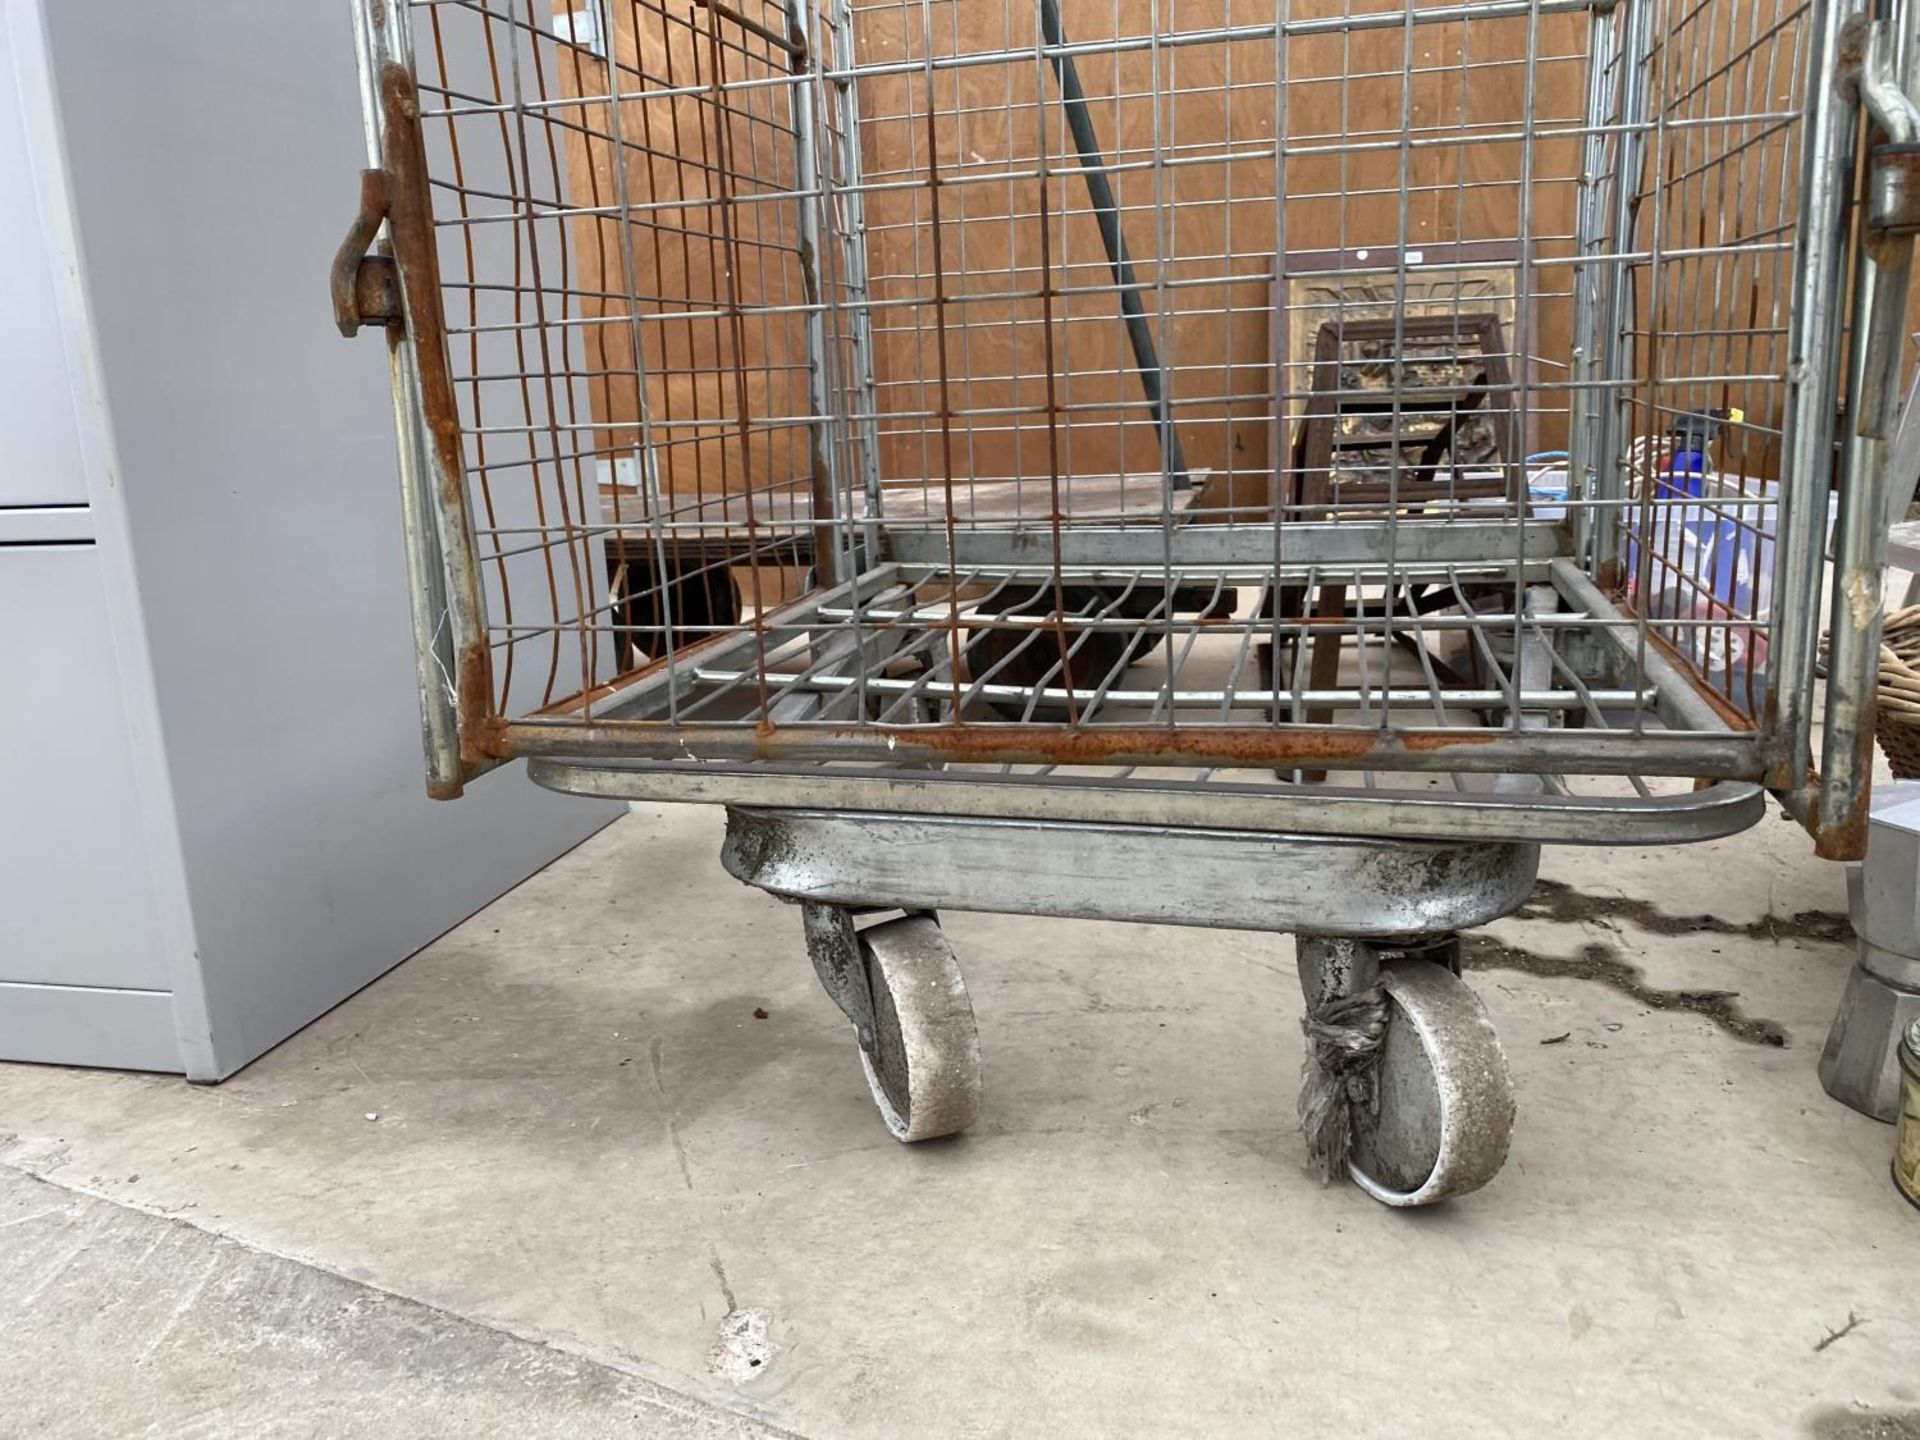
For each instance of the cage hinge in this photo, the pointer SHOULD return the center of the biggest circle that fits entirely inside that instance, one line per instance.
(1893, 191)
(366, 287)
(1893, 162)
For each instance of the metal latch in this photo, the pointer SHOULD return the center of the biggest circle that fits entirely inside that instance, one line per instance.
(366, 287)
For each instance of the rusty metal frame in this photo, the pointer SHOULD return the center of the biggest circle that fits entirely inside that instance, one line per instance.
(1709, 756)
(1888, 72)
(467, 730)
(454, 665)
(1723, 808)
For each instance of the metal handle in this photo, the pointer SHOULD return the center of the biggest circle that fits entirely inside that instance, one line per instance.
(366, 288)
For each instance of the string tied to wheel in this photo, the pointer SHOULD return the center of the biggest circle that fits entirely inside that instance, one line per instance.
(1345, 1035)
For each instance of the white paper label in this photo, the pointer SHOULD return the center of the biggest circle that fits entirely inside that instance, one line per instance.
(580, 27)
(622, 470)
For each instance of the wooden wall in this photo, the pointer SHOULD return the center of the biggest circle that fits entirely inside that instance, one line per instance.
(695, 242)
(1008, 292)
(1210, 229)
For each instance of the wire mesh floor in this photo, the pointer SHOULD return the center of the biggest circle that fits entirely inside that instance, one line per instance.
(1501, 657)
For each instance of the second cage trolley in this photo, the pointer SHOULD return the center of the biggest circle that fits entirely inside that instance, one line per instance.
(1211, 462)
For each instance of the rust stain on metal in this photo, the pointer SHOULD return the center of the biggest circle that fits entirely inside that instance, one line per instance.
(365, 287)
(1017, 744)
(1895, 185)
(1845, 841)
(1850, 55)
(687, 655)
(376, 291)
(998, 744)
(1419, 741)
(1731, 716)
(415, 253)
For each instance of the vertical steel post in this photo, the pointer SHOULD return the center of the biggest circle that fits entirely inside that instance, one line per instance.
(1610, 481)
(1820, 248)
(1589, 244)
(446, 618)
(832, 537)
(1883, 265)
(852, 202)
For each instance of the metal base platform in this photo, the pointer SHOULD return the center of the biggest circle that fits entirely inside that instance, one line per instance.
(1445, 697)
(1265, 806)
(1224, 879)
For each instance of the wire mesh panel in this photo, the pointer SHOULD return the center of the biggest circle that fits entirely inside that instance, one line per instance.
(1110, 393)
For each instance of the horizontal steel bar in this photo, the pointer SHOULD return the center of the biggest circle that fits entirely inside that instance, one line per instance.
(1183, 697)
(1713, 754)
(1408, 542)
(1723, 809)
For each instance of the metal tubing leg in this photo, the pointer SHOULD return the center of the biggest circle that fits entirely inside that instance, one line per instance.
(1334, 968)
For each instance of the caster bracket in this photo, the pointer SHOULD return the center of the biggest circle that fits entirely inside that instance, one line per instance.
(834, 947)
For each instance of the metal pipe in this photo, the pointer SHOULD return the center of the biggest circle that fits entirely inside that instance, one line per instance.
(380, 34)
(1821, 247)
(832, 556)
(1725, 808)
(1883, 267)
(1589, 236)
(1609, 484)
(1714, 755)
(857, 281)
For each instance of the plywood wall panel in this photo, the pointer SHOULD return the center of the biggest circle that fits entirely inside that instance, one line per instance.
(999, 350)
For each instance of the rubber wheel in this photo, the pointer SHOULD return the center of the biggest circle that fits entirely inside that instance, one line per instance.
(924, 1067)
(1443, 1110)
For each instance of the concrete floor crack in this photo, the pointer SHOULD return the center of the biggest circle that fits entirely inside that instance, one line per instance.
(656, 1392)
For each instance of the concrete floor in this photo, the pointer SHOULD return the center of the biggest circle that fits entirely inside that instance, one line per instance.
(556, 1176)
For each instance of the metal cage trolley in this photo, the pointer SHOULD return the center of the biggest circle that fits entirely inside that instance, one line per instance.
(1211, 462)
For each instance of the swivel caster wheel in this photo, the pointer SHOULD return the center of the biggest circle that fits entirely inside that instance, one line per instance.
(1407, 1087)
(1442, 1110)
(924, 1060)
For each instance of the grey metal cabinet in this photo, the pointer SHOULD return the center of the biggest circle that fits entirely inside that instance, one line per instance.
(41, 465)
(212, 825)
(85, 971)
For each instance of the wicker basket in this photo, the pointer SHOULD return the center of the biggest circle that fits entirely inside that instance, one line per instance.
(1897, 727)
